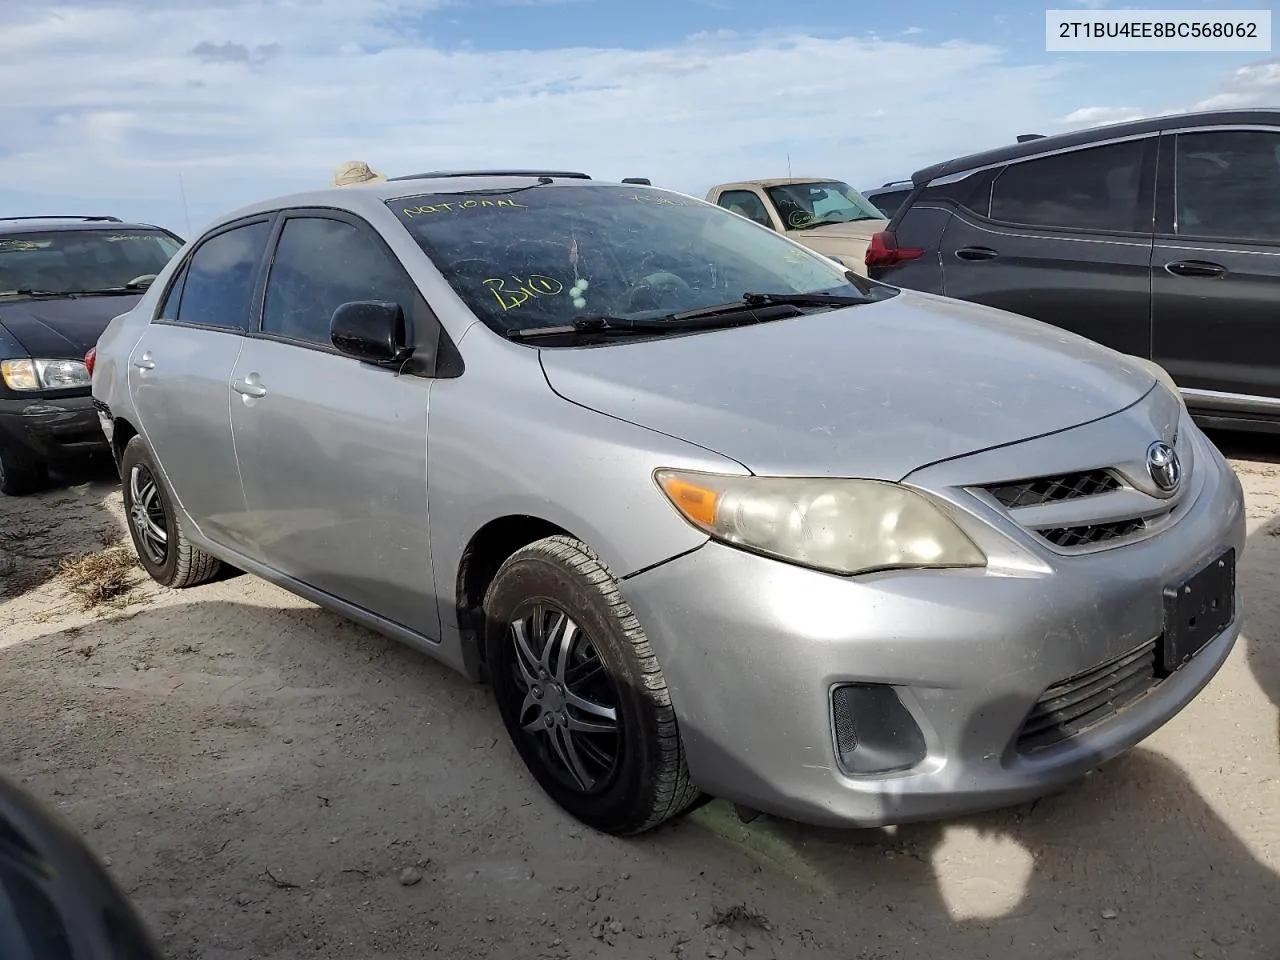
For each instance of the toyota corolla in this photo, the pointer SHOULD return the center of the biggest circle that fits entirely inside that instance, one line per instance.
(712, 514)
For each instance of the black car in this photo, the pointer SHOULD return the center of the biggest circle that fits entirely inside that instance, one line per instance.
(1160, 238)
(889, 197)
(56, 900)
(62, 279)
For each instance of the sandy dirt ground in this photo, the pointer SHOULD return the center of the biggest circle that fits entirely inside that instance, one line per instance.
(261, 776)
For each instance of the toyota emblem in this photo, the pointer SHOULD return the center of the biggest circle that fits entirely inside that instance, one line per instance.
(1164, 466)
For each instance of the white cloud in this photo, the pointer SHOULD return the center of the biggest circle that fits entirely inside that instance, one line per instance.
(1255, 85)
(1090, 116)
(108, 103)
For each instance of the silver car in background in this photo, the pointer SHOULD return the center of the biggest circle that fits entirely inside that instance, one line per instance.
(712, 514)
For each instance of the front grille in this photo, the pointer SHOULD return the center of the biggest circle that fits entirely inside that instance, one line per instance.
(1041, 490)
(1076, 704)
(1095, 533)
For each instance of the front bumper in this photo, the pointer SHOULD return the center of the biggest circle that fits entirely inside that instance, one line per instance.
(53, 428)
(752, 648)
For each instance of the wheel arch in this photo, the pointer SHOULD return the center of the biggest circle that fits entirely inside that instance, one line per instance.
(486, 551)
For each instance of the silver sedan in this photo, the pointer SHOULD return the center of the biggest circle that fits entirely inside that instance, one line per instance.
(712, 514)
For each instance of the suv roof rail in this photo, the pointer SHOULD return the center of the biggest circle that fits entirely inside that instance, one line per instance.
(895, 183)
(68, 216)
(1028, 137)
(441, 174)
(639, 181)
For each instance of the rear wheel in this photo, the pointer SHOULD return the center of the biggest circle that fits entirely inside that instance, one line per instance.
(21, 473)
(163, 550)
(581, 692)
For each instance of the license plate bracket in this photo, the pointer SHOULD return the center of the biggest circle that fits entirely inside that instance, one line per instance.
(1197, 610)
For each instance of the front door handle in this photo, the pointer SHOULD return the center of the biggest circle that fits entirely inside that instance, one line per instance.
(249, 387)
(145, 362)
(977, 253)
(1196, 268)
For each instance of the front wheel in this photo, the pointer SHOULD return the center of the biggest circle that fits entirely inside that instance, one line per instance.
(163, 549)
(20, 472)
(581, 692)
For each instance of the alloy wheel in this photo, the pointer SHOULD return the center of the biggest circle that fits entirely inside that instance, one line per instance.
(146, 514)
(568, 704)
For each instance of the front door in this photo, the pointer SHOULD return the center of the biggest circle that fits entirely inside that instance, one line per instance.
(1216, 269)
(179, 371)
(333, 451)
(1065, 239)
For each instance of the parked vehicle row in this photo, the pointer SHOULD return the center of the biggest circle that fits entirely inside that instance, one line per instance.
(1160, 238)
(710, 511)
(61, 280)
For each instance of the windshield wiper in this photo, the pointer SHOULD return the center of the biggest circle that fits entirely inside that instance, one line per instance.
(693, 320)
(29, 292)
(752, 301)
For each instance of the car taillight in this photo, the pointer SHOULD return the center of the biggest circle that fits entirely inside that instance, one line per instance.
(883, 251)
(90, 358)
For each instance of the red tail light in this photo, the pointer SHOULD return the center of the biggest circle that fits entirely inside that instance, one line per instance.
(884, 251)
(90, 358)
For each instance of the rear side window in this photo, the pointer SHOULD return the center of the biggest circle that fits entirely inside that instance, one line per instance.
(169, 309)
(1092, 189)
(220, 277)
(321, 264)
(1227, 184)
(745, 204)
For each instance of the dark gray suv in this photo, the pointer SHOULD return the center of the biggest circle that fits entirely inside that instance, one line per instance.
(1159, 238)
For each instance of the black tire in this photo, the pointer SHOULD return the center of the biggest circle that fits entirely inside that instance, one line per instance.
(21, 473)
(625, 782)
(175, 563)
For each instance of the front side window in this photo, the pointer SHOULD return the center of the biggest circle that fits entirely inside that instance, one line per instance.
(1092, 189)
(1227, 184)
(554, 254)
(82, 261)
(220, 278)
(321, 264)
(804, 206)
(746, 204)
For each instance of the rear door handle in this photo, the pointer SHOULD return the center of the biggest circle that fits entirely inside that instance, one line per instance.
(145, 362)
(1196, 268)
(249, 387)
(977, 253)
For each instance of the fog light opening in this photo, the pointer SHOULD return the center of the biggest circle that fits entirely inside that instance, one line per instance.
(874, 733)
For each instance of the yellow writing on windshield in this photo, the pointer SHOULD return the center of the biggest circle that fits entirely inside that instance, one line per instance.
(660, 199)
(6, 244)
(525, 290)
(456, 206)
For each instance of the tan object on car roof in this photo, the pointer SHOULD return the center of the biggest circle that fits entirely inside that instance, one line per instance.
(355, 172)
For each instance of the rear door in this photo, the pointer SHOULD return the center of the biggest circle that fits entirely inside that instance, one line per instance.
(180, 367)
(1216, 267)
(332, 450)
(1066, 239)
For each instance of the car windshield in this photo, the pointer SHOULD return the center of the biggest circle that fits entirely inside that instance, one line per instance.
(77, 261)
(804, 206)
(552, 255)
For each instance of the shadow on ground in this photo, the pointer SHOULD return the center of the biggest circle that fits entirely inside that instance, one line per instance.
(69, 519)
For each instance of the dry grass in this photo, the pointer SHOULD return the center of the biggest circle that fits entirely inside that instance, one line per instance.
(100, 578)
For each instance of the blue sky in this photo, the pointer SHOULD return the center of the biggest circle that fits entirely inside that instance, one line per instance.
(128, 106)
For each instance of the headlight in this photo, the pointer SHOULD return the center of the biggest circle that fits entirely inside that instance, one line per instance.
(842, 526)
(1161, 374)
(44, 374)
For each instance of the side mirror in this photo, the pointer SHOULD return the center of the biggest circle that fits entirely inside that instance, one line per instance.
(370, 330)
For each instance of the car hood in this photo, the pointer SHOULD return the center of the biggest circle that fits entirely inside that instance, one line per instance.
(853, 230)
(872, 391)
(62, 329)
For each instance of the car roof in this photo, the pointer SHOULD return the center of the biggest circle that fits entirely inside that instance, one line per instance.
(365, 197)
(13, 226)
(1110, 131)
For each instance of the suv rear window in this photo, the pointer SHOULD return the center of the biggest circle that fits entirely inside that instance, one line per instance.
(1092, 189)
(81, 261)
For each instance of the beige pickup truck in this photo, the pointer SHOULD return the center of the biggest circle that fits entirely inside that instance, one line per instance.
(828, 216)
